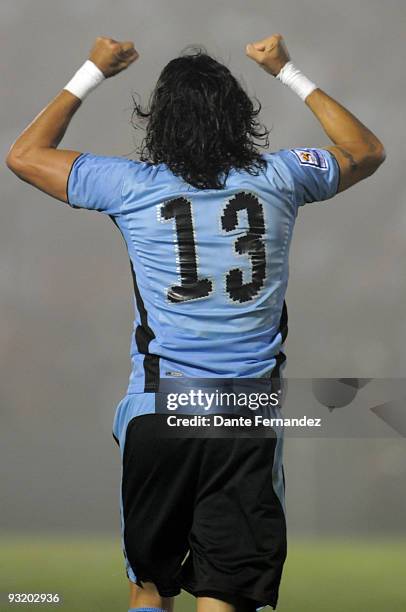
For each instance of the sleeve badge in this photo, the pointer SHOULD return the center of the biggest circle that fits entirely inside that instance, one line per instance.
(311, 157)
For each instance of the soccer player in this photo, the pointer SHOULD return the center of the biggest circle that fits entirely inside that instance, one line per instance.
(207, 220)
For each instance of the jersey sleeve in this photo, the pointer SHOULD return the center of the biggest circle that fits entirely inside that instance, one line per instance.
(95, 182)
(315, 174)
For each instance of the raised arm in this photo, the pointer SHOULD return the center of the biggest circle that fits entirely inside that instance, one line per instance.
(358, 151)
(34, 156)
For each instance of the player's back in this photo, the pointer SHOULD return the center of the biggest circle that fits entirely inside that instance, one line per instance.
(210, 267)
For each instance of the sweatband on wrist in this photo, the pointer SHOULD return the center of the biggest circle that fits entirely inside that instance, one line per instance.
(87, 78)
(296, 80)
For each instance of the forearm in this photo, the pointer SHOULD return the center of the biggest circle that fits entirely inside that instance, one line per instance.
(357, 150)
(340, 125)
(49, 127)
(34, 156)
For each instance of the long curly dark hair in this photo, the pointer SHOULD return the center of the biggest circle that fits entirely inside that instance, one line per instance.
(201, 122)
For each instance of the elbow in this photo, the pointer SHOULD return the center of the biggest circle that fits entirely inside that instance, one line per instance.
(16, 161)
(375, 159)
(380, 155)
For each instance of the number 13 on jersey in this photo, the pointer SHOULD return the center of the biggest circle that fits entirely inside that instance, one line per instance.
(251, 244)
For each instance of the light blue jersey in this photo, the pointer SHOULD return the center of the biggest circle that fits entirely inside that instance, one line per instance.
(210, 267)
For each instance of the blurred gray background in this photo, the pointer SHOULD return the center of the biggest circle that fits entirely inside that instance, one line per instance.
(65, 286)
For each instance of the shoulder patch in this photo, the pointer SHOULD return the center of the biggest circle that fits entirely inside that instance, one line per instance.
(311, 157)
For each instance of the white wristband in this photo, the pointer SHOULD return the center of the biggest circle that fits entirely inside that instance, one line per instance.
(296, 80)
(87, 78)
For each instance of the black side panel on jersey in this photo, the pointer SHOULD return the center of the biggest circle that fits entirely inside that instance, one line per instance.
(144, 335)
(283, 329)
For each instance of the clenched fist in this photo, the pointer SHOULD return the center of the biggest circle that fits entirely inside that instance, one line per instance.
(112, 56)
(271, 53)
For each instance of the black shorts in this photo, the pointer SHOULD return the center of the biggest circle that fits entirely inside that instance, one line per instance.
(203, 514)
